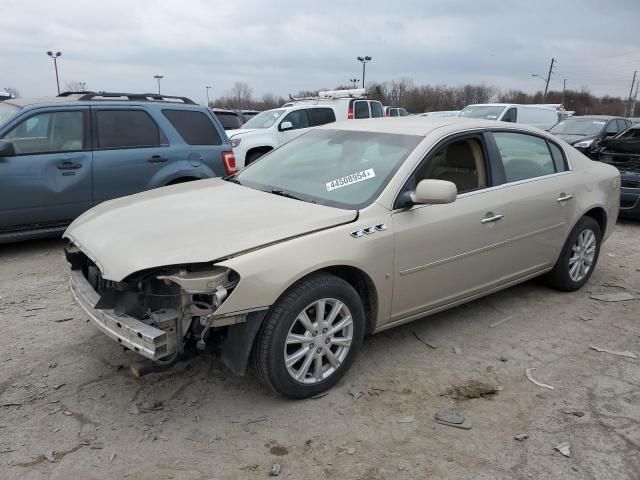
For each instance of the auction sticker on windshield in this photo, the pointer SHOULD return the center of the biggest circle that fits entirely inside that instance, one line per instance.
(350, 179)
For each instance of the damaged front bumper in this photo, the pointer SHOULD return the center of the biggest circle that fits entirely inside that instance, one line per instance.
(130, 332)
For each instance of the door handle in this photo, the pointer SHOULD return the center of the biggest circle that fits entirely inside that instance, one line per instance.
(157, 159)
(494, 218)
(564, 197)
(69, 166)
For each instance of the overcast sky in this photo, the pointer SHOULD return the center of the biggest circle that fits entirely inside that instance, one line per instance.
(282, 46)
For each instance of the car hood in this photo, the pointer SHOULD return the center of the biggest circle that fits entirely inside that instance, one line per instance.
(243, 131)
(571, 138)
(192, 222)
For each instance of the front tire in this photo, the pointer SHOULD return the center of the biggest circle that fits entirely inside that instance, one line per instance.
(310, 337)
(578, 257)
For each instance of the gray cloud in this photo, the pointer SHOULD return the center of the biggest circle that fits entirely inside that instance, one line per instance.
(284, 46)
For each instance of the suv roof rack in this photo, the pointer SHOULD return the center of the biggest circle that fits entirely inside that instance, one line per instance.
(140, 97)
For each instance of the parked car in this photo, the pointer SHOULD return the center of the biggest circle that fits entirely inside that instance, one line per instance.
(532, 115)
(623, 152)
(586, 133)
(4, 95)
(246, 115)
(395, 112)
(229, 119)
(61, 156)
(349, 104)
(441, 113)
(272, 128)
(350, 229)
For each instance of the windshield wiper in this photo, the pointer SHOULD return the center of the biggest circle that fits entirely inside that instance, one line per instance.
(282, 193)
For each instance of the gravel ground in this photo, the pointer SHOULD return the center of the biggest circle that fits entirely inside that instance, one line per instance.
(69, 408)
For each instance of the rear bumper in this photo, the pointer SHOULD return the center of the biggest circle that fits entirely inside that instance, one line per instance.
(129, 332)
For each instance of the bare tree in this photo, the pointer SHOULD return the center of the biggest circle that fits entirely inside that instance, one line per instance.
(13, 91)
(240, 94)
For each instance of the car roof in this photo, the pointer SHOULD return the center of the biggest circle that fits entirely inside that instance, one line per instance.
(223, 110)
(422, 126)
(600, 117)
(76, 99)
(542, 107)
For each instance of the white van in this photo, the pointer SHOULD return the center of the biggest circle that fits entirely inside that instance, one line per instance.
(348, 104)
(533, 115)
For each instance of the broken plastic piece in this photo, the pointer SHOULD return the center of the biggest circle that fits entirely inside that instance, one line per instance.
(459, 421)
(613, 352)
(527, 372)
(521, 437)
(564, 448)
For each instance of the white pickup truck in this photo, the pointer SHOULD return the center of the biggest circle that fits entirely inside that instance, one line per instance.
(271, 128)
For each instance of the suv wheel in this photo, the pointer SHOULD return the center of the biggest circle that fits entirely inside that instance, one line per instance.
(578, 257)
(310, 338)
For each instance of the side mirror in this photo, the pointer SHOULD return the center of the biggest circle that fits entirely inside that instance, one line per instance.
(7, 149)
(610, 134)
(284, 126)
(433, 192)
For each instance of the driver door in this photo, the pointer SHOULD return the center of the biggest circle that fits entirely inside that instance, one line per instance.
(300, 121)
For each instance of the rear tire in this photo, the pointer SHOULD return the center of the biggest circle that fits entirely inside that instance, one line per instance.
(310, 337)
(578, 257)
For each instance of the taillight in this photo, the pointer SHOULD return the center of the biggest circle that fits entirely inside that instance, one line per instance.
(386, 114)
(229, 162)
(350, 113)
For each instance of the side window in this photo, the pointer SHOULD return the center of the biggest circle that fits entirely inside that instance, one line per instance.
(511, 115)
(126, 129)
(361, 109)
(376, 110)
(228, 120)
(622, 125)
(558, 157)
(393, 112)
(612, 127)
(195, 128)
(462, 162)
(403, 112)
(298, 118)
(49, 132)
(524, 156)
(322, 116)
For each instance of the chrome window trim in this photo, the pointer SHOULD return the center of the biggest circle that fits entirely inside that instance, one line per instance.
(477, 130)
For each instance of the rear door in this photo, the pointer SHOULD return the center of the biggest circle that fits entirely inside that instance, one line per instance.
(48, 181)
(130, 152)
(540, 192)
(361, 109)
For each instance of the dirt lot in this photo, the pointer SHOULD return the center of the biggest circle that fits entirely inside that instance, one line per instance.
(70, 409)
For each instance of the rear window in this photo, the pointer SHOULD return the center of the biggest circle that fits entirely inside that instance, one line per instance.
(361, 109)
(376, 110)
(126, 129)
(322, 116)
(229, 120)
(196, 128)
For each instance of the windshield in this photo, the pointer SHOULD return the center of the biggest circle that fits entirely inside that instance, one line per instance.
(579, 126)
(264, 119)
(6, 112)
(338, 168)
(488, 112)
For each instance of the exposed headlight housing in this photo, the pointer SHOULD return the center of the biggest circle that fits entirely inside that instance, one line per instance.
(235, 142)
(583, 144)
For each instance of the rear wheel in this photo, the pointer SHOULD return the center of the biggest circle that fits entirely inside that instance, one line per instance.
(578, 257)
(311, 337)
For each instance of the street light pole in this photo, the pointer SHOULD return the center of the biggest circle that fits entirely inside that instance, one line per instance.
(364, 61)
(158, 77)
(55, 65)
(354, 81)
(208, 87)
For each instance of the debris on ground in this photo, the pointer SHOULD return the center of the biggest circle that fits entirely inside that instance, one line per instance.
(356, 393)
(275, 470)
(612, 297)
(50, 456)
(503, 358)
(65, 319)
(521, 437)
(500, 322)
(457, 350)
(564, 448)
(452, 419)
(613, 352)
(113, 456)
(527, 372)
(68, 413)
(422, 340)
(576, 413)
(351, 451)
(407, 419)
(471, 389)
(320, 395)
(255, 420)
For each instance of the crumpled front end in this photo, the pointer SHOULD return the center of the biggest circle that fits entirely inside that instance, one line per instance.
(153, 312)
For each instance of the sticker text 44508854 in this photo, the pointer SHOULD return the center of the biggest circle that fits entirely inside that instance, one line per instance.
(350, 179)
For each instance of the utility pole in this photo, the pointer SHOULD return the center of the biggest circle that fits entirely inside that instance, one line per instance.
(564, 87)
(364, 61)
(55, 57)
(635, 99)
(546, 87)
(633, 82)
(208, 87)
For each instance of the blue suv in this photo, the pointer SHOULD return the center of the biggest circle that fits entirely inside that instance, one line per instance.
(61, 156)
